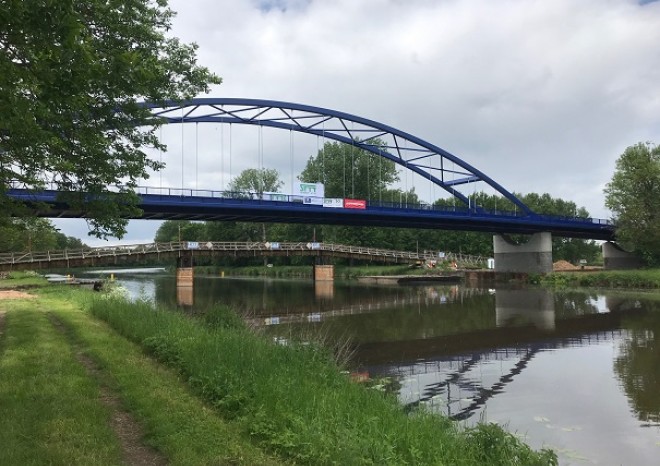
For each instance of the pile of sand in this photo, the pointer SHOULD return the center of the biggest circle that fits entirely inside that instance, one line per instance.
(563, 265)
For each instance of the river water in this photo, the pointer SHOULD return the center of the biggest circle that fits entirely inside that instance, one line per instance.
(576, 371)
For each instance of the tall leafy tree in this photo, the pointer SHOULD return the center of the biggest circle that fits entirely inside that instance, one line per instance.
(256, 180)
(72, 74)
(570, 249)
(347, 171)
(633, 196)
(180, 230)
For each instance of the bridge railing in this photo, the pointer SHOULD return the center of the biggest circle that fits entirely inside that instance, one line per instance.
(269, 198)
(11, 258)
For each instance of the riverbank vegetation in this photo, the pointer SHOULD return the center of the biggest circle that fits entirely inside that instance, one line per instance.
(205, 391)
(633, 279)
(292, 399)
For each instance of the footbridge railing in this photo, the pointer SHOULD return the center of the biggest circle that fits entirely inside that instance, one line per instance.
(112, 254)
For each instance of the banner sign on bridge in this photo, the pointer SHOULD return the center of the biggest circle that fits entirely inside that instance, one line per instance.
(333, 202)
(309, 189)
(355, 204)
(313, 200)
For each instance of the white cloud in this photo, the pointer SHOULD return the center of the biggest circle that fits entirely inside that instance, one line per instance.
(540, 95)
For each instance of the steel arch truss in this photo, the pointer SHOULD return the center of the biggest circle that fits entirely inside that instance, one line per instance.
(428, 160)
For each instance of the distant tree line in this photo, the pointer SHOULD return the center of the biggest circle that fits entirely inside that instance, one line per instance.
(335, 165)
(34, 234)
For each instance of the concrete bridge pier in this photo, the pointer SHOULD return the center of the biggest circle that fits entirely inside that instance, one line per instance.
(184, 280)
(615, 258)
(534, 256)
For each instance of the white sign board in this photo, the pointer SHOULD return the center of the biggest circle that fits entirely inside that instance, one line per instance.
(333, 202)
(309, 189)
(313, 200)
(276, 197)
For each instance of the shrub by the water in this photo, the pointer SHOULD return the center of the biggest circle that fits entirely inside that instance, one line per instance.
(639, 279)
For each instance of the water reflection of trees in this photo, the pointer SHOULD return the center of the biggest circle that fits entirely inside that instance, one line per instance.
(575, 303)
(638, 364)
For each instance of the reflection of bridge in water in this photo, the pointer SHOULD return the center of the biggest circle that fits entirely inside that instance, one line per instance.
(428, 296)
(459, 373)
(460, 392)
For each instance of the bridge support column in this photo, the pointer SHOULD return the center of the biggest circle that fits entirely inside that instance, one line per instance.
(324, 273)
(615, 258)
(534, 256)
(184, 280)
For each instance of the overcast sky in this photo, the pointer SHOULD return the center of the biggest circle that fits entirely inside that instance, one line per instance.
(541, 95)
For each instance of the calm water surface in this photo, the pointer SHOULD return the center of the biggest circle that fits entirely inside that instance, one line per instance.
(574, 371)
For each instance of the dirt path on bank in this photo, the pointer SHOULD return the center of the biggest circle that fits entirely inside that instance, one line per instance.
(125, 426)
(14, 294)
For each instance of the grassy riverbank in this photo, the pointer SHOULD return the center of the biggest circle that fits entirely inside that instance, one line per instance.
(72, 391)
(613, 279)
(202, 392)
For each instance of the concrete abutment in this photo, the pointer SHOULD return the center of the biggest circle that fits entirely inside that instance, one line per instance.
(615, 258)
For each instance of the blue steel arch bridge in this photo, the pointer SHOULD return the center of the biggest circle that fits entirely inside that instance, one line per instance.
(428, 161)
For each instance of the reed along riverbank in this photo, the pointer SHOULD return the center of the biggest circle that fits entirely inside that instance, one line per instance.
(205, 390)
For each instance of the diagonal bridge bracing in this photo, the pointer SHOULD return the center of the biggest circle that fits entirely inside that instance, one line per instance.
(427, 160)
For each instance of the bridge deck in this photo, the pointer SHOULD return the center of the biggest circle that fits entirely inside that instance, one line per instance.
(171, 204)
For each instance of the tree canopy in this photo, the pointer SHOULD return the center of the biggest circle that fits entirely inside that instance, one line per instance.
(72, 75)
(255, 180)
(347, 171)
(34, 234)
(633, 195)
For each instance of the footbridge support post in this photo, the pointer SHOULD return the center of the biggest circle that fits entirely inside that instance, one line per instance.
(534, 256)
(184, 279)
(324, 273)
(615, 258)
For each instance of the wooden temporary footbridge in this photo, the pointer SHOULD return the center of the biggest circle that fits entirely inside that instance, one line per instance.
(132, 254)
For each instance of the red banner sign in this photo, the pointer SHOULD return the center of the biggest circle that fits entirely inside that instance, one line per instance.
(355, 204)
